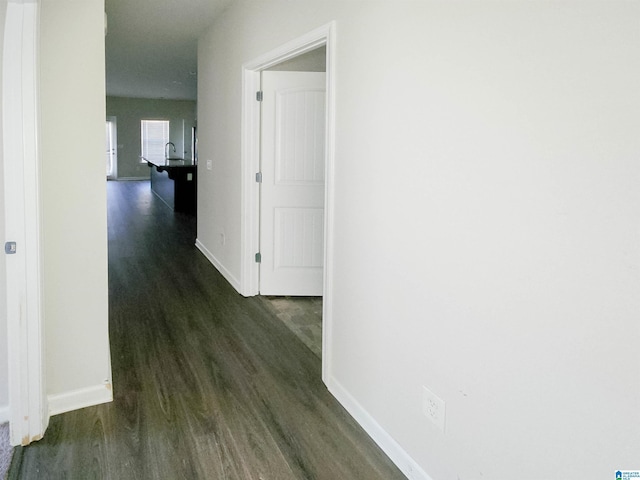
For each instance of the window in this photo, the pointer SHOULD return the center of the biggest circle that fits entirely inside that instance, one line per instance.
(154, 135)
(111, 147)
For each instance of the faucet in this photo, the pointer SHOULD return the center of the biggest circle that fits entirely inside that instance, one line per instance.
(166, 153)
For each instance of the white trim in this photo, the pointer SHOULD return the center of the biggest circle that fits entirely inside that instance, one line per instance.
(77, 399)
(219, 266)
(4, 414)
(329, 204)
(393, 450)
(28, 404)
(310, 41)
(249, 192)
(170, 207)
(129, 179)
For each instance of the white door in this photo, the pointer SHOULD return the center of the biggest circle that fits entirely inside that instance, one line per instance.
(292, 189)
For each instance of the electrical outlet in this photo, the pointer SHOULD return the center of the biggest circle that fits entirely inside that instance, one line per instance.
(209, 164)
(433, 408)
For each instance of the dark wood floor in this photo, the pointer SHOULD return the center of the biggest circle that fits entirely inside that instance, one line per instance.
(207, 384)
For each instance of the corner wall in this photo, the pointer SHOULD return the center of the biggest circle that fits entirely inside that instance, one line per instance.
(486, 229)
(129, 112)
(72, 99)
(4, 359)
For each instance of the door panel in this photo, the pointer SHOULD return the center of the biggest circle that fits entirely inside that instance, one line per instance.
(292, 190)
(298, 233)
(299, 142)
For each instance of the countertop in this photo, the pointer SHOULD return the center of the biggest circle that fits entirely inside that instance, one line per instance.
(170, 163)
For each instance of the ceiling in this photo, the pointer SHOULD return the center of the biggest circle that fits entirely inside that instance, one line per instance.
(151, 46)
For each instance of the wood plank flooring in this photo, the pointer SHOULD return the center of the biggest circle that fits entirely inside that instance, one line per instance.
(301, 315)
(207, 384)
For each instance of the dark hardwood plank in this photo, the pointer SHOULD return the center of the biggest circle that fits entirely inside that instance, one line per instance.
(207, 384)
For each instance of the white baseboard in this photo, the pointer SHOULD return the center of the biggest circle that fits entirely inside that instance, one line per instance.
(214, 261)
(76, 399)
(132, 179)
(395, 452)
(4, 414)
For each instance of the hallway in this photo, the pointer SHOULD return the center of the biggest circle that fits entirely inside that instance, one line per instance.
(207, 384)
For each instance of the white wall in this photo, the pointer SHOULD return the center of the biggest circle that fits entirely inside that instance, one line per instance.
(486, 228)
(313, 61)
(4, 374)
(72, 85)
(129, 112)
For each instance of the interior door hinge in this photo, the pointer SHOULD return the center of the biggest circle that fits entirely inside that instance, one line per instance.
(258, 257)
(259, 177)
(259, 96)
(10, 248)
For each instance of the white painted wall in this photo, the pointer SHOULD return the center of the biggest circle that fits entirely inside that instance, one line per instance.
(313, 61)
(72, 84)
(4, 374)
(129, 112)
(486, 229)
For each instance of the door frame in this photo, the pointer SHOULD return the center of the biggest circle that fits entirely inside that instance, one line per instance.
(28, 407)
(250, 164)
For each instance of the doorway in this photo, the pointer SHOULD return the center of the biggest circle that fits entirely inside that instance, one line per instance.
(292, 164)
(251, 204)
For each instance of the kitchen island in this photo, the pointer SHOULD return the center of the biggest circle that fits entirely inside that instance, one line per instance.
(174, 181)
